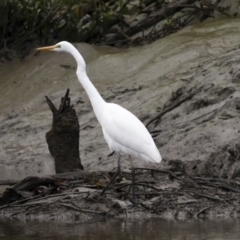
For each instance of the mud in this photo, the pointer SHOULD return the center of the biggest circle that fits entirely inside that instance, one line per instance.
(201, 135)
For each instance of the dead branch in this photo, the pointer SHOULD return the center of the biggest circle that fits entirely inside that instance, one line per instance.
(203, 210)
(174, 105)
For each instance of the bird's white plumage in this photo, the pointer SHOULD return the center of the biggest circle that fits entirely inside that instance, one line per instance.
(122, 130)
(126, 134)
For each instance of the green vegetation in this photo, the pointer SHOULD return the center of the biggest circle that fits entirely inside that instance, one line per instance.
(25, 24)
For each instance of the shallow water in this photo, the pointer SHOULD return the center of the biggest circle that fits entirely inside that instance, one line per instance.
(127, 230)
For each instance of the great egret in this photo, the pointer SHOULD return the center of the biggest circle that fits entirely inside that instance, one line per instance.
(123, 131)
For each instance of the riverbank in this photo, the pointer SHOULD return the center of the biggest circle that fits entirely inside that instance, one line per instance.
(192, 77)
(164, 193)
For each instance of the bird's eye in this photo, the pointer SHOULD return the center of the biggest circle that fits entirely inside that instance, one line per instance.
(58, 46)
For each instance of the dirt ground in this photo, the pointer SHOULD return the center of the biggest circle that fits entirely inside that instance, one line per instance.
(189, 99)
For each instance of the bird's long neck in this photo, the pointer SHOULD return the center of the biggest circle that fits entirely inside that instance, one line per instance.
(96, 99)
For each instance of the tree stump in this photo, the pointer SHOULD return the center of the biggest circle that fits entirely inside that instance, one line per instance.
(63, 138)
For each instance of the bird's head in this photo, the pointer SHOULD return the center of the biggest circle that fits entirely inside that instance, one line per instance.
(69, 48)
(59, 47)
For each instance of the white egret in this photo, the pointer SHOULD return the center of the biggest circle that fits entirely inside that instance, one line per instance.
(123, 131)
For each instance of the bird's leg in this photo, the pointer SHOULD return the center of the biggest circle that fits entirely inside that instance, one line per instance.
(133, 181)
(114, 177)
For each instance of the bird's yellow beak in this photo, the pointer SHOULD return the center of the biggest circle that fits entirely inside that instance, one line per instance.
(47, 48)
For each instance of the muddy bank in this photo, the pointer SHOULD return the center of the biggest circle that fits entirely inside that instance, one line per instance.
(199, 133)
(142, 80)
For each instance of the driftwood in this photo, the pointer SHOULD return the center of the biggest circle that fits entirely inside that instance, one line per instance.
(8, 182)
(38, 187)
(77, 192)
(27, 188)
(63, 138)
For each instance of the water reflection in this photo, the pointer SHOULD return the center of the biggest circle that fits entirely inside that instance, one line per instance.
(116, 230)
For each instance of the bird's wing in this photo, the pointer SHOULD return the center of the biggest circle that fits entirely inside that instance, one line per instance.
(126, 129)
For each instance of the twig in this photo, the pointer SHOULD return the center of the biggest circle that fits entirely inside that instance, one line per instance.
(156, 131)
(203, 210)
(30, 202)
(20, 201)
(28, 199)
(159, 171)
(210, 197)
(229, 189)
(175, 105)
(139, 184)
